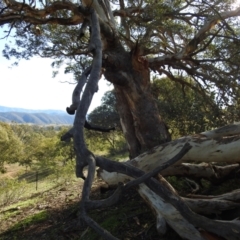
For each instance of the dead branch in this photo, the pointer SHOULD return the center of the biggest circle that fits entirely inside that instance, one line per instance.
(229, 230)
(84, 156)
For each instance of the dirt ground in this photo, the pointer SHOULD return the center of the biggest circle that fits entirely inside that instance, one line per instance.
(55, 216)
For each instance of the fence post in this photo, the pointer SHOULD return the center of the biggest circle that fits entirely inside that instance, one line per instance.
(36, 180)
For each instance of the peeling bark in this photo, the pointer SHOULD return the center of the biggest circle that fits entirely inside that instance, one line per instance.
(225, 150)
(166, 211)
(228, 230)
(174, 210)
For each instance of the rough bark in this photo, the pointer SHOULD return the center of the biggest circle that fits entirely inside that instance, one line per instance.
(163, 194)
(222, 150)
(141, 123)
(127, 123)
(211, 172)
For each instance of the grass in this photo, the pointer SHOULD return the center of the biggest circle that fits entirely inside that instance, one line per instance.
(119, 157)
(18, 197)
(130, 219)
(31, 184)
(32, 220)
(12, 170)
(15, 209)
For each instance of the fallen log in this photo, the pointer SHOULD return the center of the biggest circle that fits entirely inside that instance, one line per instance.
(160, 194)
(223, 150)
(204, 149)
(213, 173)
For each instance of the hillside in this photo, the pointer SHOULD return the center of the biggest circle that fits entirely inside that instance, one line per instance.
(40, 117)
(12, 109)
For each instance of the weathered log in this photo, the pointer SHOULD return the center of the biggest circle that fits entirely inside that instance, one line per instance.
(233, 196)
(167, 212)
(225, 149)
(210, 206)
(215, 174)
(229, 130)
(227, 229)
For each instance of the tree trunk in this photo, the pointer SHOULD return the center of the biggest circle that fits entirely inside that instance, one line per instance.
(141, 123)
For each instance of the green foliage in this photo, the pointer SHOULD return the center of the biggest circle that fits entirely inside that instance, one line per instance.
(31, 220)
(106, 116)
(11, 190)
(10, 145)
(161, 28)
(39, 148)
(165, 33)
(186, 110)
(65, 150)
(33, 146)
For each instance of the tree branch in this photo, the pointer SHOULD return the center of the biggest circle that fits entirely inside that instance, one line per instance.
(229, 230)
(157, 170)
(193, 44)
(23, 12)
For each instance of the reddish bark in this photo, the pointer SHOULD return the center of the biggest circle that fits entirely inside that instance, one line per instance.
(141, 122)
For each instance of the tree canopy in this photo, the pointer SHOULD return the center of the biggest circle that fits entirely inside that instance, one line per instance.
(176, 38)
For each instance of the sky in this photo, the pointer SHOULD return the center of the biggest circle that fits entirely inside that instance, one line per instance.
(30, 84)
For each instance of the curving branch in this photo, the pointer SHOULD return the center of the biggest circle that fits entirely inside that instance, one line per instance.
(84, 156)
(89, 126)
(77, 92)
(23, 12)
(192, 45)
(157, 170)
(228, 230)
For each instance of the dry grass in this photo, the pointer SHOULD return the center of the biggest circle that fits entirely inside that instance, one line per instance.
(12, 170)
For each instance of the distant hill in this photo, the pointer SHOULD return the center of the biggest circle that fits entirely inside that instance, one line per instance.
(39, 117)
(11, 109)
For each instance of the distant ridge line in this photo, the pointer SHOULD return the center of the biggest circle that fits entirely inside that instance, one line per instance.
(38, 117)
(13, 109)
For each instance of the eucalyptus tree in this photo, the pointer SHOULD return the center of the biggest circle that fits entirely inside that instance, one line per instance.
(128, 42)
(185, 110)
(11, 146)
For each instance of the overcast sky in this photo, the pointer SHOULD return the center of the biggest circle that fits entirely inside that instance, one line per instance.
(30, 84)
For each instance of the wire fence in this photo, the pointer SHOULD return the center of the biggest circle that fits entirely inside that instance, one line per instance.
(32, 183)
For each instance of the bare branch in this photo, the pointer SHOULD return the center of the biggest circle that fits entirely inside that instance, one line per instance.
(23, 12)
(202, 34)
(229, 230)
(157, 170)
(77, 92)
(193, 44)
